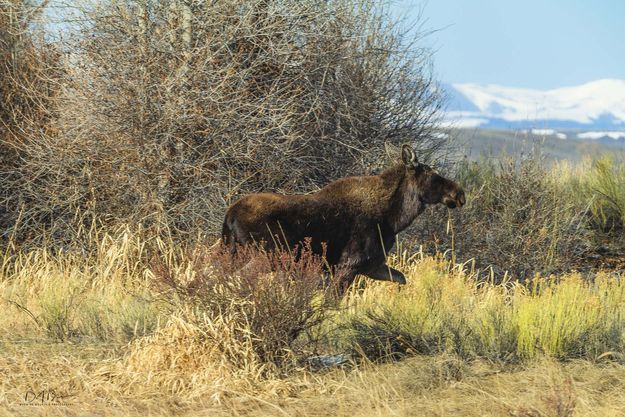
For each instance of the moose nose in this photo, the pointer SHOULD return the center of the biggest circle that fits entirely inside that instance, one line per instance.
(460, 198)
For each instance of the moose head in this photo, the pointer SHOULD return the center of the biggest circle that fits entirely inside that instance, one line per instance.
(433, 188)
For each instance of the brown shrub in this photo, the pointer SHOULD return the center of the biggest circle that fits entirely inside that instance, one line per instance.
(517, 219)
(171, 110)
(273, 295)
(29, 84)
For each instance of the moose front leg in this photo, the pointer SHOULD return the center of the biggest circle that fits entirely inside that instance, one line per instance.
(383, 272)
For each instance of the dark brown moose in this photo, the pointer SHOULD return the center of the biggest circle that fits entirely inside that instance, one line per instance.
(353, 220)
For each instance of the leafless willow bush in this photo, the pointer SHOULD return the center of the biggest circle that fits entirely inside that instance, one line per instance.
(518, 219)
(172, 109)
(29, 83)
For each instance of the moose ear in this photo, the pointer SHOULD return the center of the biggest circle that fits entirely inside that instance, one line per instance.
(408, 156)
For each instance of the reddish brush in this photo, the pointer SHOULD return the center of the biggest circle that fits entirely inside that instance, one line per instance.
(275, 294)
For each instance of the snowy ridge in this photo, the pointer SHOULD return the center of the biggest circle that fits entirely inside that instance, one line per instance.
(599, 135)
(598, 105)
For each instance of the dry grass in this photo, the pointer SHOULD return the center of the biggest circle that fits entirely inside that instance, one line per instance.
(184, 364)
(563, 316)
(598, 184)
(104, 295)
(101, 384)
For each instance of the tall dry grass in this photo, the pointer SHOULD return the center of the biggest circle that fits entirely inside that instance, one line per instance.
(126, 346)
(106, 295)
(114, 294)
(599, 184)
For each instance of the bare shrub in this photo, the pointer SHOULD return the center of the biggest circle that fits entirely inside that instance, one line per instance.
(273, 296)
(173, 109)
(29, 84)
(518, 218)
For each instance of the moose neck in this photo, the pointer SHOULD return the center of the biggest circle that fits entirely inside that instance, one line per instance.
(405, 204)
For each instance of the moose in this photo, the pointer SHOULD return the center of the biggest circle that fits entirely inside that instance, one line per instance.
(352, 221)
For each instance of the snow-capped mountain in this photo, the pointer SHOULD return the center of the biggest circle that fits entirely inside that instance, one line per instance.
(598, 105)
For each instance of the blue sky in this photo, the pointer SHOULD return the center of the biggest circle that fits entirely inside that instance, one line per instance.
(523, 43)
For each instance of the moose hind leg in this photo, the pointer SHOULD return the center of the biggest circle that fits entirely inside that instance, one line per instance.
(383, 272)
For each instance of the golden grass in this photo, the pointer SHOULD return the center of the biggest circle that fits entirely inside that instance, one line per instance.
(440, 385)
(105, 295)
(442, 311)
(598, 184)
(94, 328)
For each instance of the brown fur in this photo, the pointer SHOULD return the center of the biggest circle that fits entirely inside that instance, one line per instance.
(356, 218)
